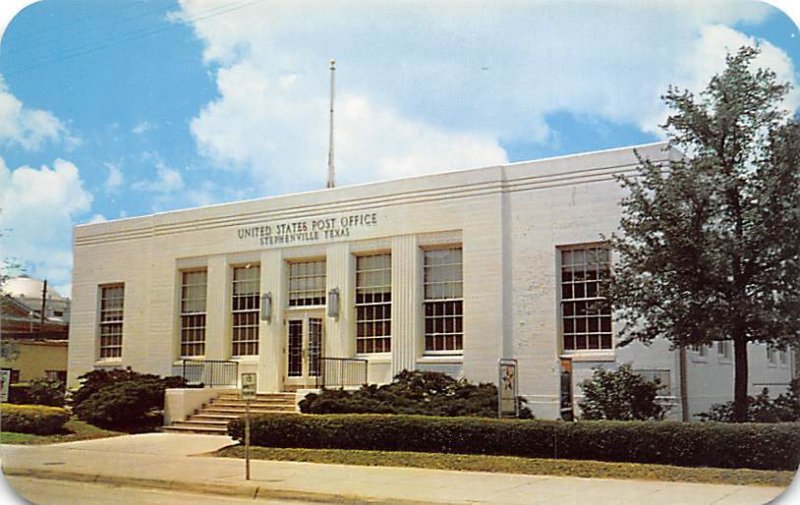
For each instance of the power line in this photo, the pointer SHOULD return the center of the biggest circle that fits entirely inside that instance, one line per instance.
(42, 32)
(129, 36)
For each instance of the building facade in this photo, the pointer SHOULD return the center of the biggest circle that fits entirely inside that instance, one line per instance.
(447, 272)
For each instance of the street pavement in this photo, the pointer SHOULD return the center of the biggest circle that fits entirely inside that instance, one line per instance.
(180, 462)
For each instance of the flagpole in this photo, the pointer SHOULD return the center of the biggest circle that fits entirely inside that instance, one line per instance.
(331, 172)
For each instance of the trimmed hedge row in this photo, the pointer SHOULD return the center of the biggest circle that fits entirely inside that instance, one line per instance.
(722, 445)
(34, 419)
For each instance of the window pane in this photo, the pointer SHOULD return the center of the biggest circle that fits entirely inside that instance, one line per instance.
(582, 270)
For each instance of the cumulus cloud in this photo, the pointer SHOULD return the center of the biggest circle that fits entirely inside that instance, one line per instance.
(429, 86)
(52, 198)
(25, 127)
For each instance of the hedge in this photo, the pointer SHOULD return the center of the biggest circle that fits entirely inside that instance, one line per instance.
(34, 419)
(722, 445)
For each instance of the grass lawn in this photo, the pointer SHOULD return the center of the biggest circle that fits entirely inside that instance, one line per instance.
(73, 430)
(529, 466)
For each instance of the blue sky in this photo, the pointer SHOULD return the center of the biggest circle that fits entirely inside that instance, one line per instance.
(120, 108)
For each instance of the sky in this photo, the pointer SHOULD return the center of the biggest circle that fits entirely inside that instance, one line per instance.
(119, 108)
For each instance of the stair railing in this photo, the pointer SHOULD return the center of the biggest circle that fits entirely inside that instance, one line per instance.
(209, 372)
(342, 372)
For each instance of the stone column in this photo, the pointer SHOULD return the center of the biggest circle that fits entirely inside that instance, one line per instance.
(406, 303)
(272, 334)
(218, 316)
(339, 332)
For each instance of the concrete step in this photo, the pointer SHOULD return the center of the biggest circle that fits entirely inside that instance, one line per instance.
(195, 429)
(236, 405)
(260, 396)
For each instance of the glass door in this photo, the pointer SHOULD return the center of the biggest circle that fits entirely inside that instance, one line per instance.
(304, 331)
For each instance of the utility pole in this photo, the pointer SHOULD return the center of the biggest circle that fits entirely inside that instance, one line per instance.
(331, 173)
(44, 306)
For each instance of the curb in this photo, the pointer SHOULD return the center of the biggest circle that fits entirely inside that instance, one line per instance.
(243, 490)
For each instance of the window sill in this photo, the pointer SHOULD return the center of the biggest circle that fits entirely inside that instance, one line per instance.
(107, 362)
(384, 357)
(590, 355)
(441, 359)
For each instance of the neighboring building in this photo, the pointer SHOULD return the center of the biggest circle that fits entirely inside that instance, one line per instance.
(41, 349)
(447, 272)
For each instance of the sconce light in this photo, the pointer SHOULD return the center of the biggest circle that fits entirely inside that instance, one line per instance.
(333, 303)
(266, 307)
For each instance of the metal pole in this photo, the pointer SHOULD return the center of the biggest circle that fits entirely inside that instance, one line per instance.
(331, 174)
(247, 439)
(44, 306)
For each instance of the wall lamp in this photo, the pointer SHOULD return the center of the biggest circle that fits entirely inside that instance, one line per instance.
(266, 307)
(333, 303)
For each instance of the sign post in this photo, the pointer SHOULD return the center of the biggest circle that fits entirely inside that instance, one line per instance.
(5, 380)
(249, 382)
(507, 389)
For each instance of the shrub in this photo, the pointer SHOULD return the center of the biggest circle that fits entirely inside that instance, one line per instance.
(47, 392)
(413, 393)
(761, 408)
(116, 398)
(19, 393)
(620, 395)
(759, 446)
(36, 419)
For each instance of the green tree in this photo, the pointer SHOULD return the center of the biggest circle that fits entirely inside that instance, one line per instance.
(709, 247)
(620, 395)
(9, 350)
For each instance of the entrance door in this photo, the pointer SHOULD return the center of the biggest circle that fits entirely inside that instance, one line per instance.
(303, 348)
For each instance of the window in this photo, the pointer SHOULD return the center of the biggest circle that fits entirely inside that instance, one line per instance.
(701, 350)
(193, 313)
(663, 379)
(59, 375)
(112, 302)
(374, 303)
(725, 349)
(13, 375)
(443, 283)
(783, 357)
(586, 324)
(772, 355)
(307, 283)
(245, 310)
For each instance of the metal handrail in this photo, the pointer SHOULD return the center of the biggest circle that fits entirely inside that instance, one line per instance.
(342, 372)
(209, 372)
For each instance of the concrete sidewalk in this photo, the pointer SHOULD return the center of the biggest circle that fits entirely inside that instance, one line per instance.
(176, 461)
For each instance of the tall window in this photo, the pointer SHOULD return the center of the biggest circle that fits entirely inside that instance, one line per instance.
(112, 303)
(307, 283)
(374, 303)
(725, 349)
(586, 324)
(245, 307)
(193, 313)
(444, 332)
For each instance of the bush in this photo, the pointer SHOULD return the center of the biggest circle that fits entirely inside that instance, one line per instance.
(19, 393)
(35, 419)
(47, 392)
(756, 446)
(761, 408)
(413, 393)
(620, 395)
(117, 398)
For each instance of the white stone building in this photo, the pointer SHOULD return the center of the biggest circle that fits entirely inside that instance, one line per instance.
(448, 272)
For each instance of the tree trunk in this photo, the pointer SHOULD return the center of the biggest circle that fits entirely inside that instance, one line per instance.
(740, 379)
(683, 384)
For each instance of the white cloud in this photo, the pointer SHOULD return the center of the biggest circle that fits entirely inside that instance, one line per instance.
(39, 208)
(142, 127)
(28, 128)
(97, 218)
(428, 86)
(114, 179)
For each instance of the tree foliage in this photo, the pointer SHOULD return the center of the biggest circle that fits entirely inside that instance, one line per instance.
(620, 395)
(710, 242)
